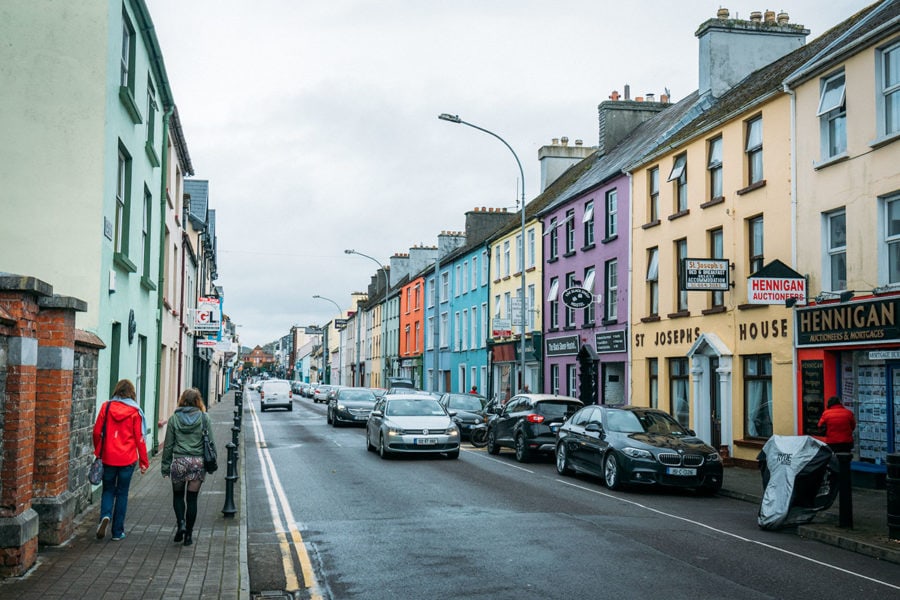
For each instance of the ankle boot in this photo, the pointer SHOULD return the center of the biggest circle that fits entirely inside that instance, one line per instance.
(188, 540)
(179, 534)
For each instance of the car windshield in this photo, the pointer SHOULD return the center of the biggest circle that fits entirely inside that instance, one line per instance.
(625, 421)
(560, 410)
(414, 408)
(356, 395)
(463, 402)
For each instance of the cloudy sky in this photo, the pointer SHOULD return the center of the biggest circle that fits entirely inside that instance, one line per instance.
(316, 122)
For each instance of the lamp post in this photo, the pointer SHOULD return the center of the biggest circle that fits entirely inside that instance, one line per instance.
(456, 119)
(387, 288)
(340, 342)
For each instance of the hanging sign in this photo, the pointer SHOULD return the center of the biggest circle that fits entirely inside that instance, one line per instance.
(705, 275)
(207, 317)
(577, 297)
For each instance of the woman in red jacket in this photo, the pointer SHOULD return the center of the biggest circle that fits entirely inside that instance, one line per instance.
(119, 442)
(839, 424)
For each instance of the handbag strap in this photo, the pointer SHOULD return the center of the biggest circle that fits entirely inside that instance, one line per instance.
(103, 431)
(205, 424)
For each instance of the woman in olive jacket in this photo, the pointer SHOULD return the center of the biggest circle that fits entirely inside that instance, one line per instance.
(182, 459)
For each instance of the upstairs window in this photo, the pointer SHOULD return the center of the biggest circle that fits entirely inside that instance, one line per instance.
(506, 258)
(754, 151)
(611, 291)
(892, 239)
(716, 250)
(570, 231)
(653, 187)
(653, 280)
(714, 165)
(554, 239)
(570, 312)
(837, 249)
(553, 301)
(531, 248)
(589, 311)
(680, 255)
(833, 116)
(755, 246)
(612, 213)
(588, 221)
(678, 175)
(889, 118)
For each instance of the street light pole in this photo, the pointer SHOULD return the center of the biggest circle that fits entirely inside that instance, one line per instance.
(340, 341)
(455, 119)
(387, 288)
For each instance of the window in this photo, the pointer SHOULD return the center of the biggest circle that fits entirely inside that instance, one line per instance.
(837, 249)
(554, 239)
(571, 381)
(678, 390)
(507, 305)
(532, 253)
(612, 213)
(570, 312)
(590, 310)
(833, 116)
(754, 151)
(611, 291)
(755, 247)
(889, 84)
(123, 200)
(679, 176)
(417, 294)
(530, 305)
(497, 306)
(126, 74)
(588, 221)
(497, 262)
(431, 296)
(892, 238)
(716, 250)
(653, 184)
(418, 336)
(467, 277)
(445, 286)
(653, 280)
(444, 325)
(554, 379)
(570, 231)
(680, 255)
(151, 112)
(457, 282)
(485, 266)
(457, 331)
(553, 300)
(758, 396)
(475, 273)
(506, 259)
(146, 220)
(653, 375)
(483, 326)
(714, 165)
(520, 254)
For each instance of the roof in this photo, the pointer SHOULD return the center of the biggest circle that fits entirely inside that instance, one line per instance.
(198, 190)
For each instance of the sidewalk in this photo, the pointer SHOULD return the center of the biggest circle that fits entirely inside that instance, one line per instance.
(147, 564)
(868, 535)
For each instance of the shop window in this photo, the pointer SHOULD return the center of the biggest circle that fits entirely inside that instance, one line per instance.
(554, 379)
(678, 390)
(758, 396)
(653, 383)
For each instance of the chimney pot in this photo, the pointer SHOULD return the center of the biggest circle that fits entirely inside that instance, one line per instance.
(664, 98)
(578, 142)
(564, 140)
(556, 141)
(770, 17)
(650, 97)
(614, 96)
(783, 18)
(722, 13)
(756, 16)
(638, 98)
(627, 92)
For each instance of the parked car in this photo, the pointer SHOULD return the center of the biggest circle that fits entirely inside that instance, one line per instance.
(400, 382)
(296, 387)
(528, 424)
(350, 405)
(469, 409)
(633, 445)
(411, 424)
(275, 393)
(320, 393)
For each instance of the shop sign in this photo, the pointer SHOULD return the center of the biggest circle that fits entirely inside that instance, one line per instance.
(705, 274)
(501, 328)
(204, 343)
(775, 283)
(340, 324)
(563, 346)
(884, 355)
(611, 341)
(848, 324)
(312, 330)
(577, 297)
(208, 315)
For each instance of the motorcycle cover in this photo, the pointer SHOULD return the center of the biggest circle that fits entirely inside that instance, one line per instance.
(800, 476)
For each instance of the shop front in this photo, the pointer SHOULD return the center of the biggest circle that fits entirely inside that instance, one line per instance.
(506, 364)
(411, 368)
(852, 350)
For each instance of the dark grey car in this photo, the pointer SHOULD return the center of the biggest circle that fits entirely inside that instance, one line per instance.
(528, 423)
(350, 405)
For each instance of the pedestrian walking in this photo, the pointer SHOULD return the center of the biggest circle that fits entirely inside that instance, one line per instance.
(839, 424)
(182, 460)
(474, 391)
(119, 442)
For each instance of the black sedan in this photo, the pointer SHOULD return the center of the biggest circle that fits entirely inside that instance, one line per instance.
(469, 409)
(350, 405)
(633, 445)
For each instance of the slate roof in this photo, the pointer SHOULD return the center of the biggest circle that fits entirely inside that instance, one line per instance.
(198, 190)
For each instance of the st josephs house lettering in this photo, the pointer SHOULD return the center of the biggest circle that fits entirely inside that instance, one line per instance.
(763, 329)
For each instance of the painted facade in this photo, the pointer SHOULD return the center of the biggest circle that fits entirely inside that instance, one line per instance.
(412, 330)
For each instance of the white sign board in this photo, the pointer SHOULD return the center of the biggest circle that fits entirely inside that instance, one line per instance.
(775, 290)
(501, 328)
(208, 317)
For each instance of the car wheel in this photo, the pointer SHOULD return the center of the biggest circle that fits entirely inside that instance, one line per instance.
(562, 461)
(382, 450)
(523, 454)
(612, 473)
(453, 455)
(492, 446)
(291, 407)
(328, 417)
(335, 422)
(262, 408)
(369, 445)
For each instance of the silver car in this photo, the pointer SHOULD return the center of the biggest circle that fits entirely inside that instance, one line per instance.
(413, 424)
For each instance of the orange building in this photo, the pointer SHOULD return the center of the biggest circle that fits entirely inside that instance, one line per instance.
(412, 336)
(259, 357)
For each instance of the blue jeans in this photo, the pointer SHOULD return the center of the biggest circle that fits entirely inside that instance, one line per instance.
(114, 501)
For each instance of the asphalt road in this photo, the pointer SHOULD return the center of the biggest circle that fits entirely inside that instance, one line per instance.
(334, 521)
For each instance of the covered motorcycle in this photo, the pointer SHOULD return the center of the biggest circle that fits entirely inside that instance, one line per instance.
(800, 476)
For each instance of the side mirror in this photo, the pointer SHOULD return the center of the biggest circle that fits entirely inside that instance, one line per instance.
(452, 413)
(692, 433)
(594, 428)
(376, 413)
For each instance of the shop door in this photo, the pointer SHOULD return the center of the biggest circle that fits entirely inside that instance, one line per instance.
(715, 403)
(893, 409)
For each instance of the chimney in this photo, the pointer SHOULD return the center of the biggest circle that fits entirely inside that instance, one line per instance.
(556, 158)
(650, 96)
(627, 92)
(618, 118)
(731, 49)
(614, 96)
(479, 225)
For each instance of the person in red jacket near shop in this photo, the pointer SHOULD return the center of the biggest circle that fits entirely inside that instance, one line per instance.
(121, 446)
(839, 424)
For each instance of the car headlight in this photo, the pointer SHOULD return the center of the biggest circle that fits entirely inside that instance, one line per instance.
(452, 431)
(340, 406)
(637, 453)
(394, 431)
(713, 457)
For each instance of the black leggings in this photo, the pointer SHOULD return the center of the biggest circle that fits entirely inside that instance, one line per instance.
(186, 512)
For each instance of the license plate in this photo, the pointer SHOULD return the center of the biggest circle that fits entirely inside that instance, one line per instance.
(360, 417)
(681, 471)
(425, 441)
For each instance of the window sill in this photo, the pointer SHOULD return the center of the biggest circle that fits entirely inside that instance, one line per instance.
(751, 306)
(147, 284)
(552, 329)
(751, 187)
(757, 444)
(679, 214)
(531, 269)
(713, 202)
(507, 278)
(650, 319)
(588, 247)
(552, 260)
(610, 238)
(588, 325)
(606, 322)
(827, 162)
(121, 261)
(713, 311)
(496, 281)
(151, 154)
(884, 139)
(127, 100)
(569, 253)
(650, 224)
(679, 315)
(569, 328)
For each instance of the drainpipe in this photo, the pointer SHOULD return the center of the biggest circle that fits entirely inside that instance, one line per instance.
(794, 265)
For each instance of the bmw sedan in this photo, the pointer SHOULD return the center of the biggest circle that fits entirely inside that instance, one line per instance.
(640, 446)
(408, 423)
(350, 405)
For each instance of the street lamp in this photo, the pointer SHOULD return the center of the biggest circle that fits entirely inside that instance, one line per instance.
(456, 119)
(387, 288)
(340, 342)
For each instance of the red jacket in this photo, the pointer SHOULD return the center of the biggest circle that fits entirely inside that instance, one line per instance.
(839, 424)
(124, 441)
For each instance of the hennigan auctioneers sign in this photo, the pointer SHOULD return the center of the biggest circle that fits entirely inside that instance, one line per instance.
(775, 283)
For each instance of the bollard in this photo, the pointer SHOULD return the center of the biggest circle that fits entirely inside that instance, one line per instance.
(238, 397)
(234, 436)
(892, 483)
(237, 420)
(228, 510)
(845, 488)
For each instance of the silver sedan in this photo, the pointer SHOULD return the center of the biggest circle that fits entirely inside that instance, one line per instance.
(414, 424)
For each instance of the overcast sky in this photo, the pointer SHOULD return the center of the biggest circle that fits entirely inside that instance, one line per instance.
(316, 122)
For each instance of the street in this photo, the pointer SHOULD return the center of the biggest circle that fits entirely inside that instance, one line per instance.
(334, 521)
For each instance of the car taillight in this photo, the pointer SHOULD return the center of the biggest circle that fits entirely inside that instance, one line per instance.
(533, 418)
(261, 394)
(290, 394)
